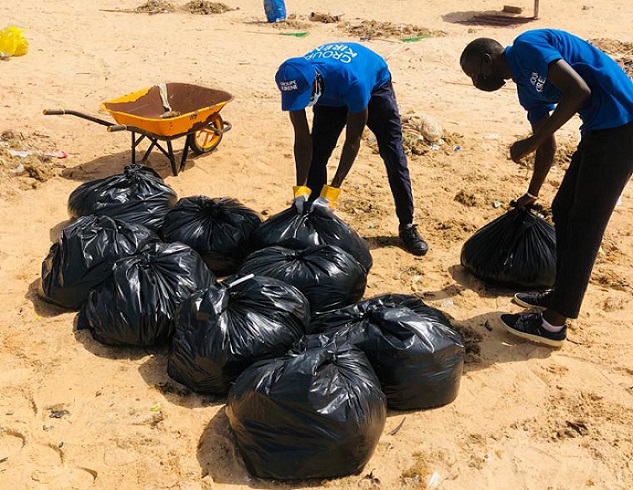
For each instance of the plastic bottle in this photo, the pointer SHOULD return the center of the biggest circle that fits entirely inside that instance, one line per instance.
(275, 10)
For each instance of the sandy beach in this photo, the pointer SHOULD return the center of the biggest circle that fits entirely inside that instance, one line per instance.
(76, 414)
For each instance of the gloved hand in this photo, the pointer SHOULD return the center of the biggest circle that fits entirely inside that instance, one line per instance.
(301, 194)
(321, 202)
(328, 198)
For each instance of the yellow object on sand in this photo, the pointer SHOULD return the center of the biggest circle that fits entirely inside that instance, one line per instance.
(13, 42)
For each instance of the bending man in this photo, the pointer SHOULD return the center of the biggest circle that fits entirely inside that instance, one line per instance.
(558, 75)
(348, 86)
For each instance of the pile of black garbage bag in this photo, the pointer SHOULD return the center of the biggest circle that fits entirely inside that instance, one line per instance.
(316, 252)
(413, 348)
(268, 313)
(319, 410)
(133, 253)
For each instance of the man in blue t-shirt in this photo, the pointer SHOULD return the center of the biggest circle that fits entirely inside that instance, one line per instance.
(348, 85)
(558, 75)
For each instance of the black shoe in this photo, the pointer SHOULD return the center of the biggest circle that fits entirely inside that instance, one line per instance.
(529, 326)
(532, 300)
(412, 240)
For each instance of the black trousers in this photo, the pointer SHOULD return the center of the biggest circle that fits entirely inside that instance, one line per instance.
(599, 170)
(384, 121)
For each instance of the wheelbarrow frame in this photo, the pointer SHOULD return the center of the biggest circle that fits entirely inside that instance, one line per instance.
(216, 120)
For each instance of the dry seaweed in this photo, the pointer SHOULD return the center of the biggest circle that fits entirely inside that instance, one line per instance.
(372, 29)
(325, 18)
(204, 7)
(622, 52)
(155, 7)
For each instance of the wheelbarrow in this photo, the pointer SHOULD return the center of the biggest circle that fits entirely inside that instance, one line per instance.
(163, 113)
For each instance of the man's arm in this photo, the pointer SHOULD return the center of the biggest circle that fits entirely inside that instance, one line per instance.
(542, 160)
(574, 95)
(354, 131)
(542, 163)
(302, 145)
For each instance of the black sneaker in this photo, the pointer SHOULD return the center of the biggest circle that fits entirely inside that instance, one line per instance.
(412, 240)
(532, 300)
(529, 326)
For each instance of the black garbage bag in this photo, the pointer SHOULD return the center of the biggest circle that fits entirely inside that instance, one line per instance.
(136, 305)
(314, 414)
(516, 250)
(328, 276)
(417, 355)
(138, 195)
(83, 257)
(219, 229)
(315, 226)
(407, 300)
(223, 329)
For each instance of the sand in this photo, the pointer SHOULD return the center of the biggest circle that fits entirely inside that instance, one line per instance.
(77, 414)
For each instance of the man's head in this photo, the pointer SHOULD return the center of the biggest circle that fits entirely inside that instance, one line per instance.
(480, 60)
(295, 79)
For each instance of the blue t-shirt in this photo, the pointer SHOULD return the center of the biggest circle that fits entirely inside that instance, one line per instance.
(611, 102)
(351, 72)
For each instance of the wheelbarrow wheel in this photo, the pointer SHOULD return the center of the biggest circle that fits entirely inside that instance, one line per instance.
(207, 138)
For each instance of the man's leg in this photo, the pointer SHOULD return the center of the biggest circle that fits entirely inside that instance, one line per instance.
(582, 210)
(561, 207)
(327, 124)
(563, 203)
(384, 122)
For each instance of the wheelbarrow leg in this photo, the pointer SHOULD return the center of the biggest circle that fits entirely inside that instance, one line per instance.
(172, 159)
(185, 151)
(135, 143)
(134, 148)
(149, 150)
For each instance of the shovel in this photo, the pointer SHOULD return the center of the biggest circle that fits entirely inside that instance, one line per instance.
(162, 89)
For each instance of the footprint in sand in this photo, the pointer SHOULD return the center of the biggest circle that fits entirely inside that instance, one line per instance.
(51, 470)
(11, 443)
(62, 477)
(55, 473)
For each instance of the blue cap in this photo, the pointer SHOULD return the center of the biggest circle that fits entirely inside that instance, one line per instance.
(295, 78)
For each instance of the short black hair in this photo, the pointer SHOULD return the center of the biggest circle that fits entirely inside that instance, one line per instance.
(479, 47)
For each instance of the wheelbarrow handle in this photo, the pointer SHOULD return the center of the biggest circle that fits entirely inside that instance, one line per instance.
(53, 112)
(62, 112)
(117, 127)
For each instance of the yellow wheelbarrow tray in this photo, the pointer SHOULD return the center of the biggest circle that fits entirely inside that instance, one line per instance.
(163, 113)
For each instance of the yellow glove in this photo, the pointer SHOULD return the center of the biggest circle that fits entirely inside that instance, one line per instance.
(328, 197)
(301, 194)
